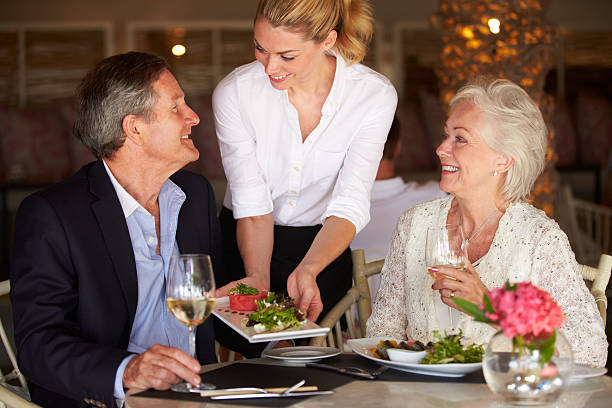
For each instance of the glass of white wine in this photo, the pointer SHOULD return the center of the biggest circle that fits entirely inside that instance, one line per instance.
(190, 294)
(444, 246)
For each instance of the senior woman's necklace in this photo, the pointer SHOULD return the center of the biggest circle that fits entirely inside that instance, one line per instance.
(477, 230)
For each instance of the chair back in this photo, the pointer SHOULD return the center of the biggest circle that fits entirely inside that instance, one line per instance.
(5, 288)
(588, 225)
(12, 395)
(358, 295)
(599, 278)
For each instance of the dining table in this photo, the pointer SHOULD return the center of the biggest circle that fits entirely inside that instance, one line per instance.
(392, 388)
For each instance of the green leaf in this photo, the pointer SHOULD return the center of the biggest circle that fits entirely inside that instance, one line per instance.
(487, 303)
(471, 309)
(243, 289)
(546, 347)
(510, 287)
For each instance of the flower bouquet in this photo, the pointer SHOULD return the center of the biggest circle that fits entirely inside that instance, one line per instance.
(528, 361)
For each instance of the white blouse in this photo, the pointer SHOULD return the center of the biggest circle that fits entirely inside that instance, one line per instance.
(270, 169)
(528, 246)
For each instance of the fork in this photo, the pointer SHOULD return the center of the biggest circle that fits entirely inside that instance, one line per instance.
(248, 390)
(354, 371)
(374, 373)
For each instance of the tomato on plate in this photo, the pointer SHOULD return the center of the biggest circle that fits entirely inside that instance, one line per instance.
(245, 302)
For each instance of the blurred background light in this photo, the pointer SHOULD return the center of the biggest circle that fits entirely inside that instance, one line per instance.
(494, 25)
(178, 50)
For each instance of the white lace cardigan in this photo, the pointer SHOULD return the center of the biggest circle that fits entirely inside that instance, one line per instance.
(528, 246)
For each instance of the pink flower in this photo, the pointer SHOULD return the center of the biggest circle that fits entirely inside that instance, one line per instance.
(525, 310)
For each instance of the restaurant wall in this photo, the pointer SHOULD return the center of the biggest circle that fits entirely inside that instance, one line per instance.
(586, 14)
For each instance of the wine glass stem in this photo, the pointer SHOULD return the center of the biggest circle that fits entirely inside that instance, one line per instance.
(192, 343)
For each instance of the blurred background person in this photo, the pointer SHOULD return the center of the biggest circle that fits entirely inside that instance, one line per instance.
(391, 196)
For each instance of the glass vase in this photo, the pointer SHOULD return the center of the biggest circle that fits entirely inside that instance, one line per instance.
(518, 374)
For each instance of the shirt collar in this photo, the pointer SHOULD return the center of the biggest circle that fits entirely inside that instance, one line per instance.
(128, 203)
(332, 102)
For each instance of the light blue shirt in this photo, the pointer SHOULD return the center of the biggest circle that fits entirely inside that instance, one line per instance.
(153, 322)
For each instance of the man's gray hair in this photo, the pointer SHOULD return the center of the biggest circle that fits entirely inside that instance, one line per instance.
(118, 86)
(521, 132)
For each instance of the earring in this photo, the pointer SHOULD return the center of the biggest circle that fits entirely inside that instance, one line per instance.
(495, 173)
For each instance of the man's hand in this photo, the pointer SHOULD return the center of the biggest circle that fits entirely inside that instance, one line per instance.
(302, 287)
(159, 367)
(261, 282)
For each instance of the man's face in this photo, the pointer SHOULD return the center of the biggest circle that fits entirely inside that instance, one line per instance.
(167, 136)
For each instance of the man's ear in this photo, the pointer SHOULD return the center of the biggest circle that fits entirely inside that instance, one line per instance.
(132, 128)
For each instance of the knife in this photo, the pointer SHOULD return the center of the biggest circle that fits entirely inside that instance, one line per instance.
(260, 395)
(349, 370)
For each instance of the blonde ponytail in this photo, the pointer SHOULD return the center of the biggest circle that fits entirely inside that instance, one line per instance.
(353, 20)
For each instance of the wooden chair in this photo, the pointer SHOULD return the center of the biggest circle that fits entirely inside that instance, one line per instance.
(359, 294)
(13, 398)
(587, 225)
(599, 278)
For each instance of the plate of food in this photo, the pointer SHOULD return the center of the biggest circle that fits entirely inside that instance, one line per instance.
(582, 371)
(446, 357)
(275, 317)
(301, 354)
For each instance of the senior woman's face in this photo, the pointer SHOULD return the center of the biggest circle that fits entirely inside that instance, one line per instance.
(467, 161)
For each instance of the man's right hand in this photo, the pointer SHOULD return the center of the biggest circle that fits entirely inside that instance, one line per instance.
(159, 367)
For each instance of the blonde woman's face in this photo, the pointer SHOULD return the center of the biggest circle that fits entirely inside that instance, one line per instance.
(467, 161)
(288, 59)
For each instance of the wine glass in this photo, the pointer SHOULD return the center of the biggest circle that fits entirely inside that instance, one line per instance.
(444, 246)
(190, 295)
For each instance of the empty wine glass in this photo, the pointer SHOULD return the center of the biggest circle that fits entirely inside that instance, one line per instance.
(444, 246)
(190, 295)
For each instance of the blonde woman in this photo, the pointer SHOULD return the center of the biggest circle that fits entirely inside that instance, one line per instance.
(492, 153)
(301, 132)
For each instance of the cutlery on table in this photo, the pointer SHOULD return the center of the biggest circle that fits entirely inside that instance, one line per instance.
(270, 395)
(354, 371)
(286, 392)
(250, 390)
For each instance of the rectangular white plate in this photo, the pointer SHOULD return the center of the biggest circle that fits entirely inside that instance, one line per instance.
(234, 319)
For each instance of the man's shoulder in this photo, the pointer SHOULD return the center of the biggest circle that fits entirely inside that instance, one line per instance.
(189, 179)
(73, 187)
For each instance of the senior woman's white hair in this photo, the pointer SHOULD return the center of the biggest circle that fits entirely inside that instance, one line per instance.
(520, 130)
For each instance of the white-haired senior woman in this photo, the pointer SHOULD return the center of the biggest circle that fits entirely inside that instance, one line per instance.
(493, 150)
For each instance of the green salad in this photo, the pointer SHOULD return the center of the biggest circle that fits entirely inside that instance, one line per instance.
(274, 313)
(448, 349)
(242, 289)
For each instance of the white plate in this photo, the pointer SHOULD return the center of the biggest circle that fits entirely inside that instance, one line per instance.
(304, 354)
(584, 371)
(234, 318)
(363, 346)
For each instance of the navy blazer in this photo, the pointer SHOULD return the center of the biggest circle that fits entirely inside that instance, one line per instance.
(74, 285)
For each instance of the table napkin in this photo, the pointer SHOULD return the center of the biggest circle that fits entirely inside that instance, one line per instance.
(258, 375)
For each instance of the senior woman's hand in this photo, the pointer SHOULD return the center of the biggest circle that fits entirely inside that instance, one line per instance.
(465, 284)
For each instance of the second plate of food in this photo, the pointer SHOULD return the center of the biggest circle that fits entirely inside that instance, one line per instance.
(301, 354)
(364, 347)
